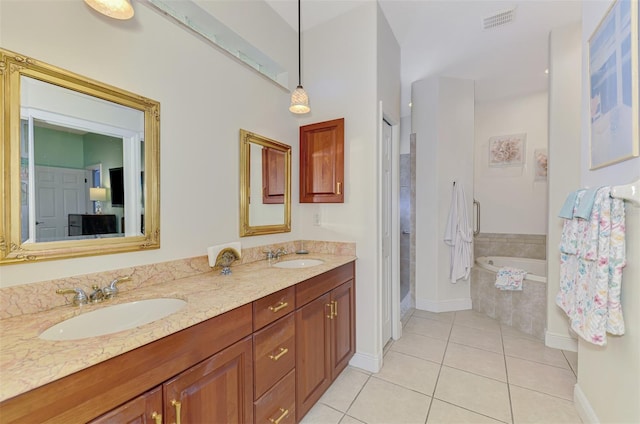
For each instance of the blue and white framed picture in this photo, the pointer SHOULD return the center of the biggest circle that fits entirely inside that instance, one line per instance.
(613, 85)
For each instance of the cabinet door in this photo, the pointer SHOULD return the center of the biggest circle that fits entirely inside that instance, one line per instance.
(217, 390)
(145, 409)
(322, 162)
(313, 356)
(343, 336)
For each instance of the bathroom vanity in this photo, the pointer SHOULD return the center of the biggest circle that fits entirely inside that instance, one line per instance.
(267, 360)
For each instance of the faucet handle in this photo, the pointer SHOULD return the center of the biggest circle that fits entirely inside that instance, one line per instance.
(270, 253)
(80, 297)
(112, 289)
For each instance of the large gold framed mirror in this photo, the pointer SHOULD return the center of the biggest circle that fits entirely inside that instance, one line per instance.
(265, 185)
(79, 165)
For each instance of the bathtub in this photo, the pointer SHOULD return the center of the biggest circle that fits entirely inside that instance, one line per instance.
(536, 268)
(525, 310)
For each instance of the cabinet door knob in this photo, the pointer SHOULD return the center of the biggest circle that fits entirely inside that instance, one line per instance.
(283, 351)
(279, 306)
(176, 404)
(285, 412)
(156, 417)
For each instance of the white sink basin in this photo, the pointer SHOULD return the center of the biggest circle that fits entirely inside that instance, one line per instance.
(113, 319)
(298, 263)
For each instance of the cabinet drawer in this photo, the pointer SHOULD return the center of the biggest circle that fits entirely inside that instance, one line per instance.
(278, 403)
(320, 284)
(272, 307)
(274, 353)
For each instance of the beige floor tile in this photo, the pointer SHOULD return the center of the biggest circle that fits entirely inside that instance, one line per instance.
(476, 393)
(344, 389)
(350, 420)
(436, 316)
(534, 407)
(508, 330)
(533, 351)
(445, 413)
(428, 327)
(322, 414)
(540, 377)
(477, 320)
(572, 357)
(477, 361)
(410, 372)
(474, 337)
(383, 402)
(420, 347)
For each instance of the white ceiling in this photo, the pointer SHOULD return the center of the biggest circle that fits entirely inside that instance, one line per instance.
(445, 37)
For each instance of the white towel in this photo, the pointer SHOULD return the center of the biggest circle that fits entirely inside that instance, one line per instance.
(509, 278)
(459, 236)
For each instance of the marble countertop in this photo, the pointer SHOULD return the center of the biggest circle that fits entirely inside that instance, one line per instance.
(28, 362)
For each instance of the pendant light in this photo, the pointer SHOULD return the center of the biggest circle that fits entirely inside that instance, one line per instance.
(299, 98)
(117, 9)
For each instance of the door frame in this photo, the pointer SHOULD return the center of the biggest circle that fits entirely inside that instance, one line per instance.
(396, 325)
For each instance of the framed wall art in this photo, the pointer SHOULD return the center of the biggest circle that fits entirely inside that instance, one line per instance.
(613, 86)
(507, 150)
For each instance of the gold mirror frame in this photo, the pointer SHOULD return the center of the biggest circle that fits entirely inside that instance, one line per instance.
(12, 67)
(246, 229)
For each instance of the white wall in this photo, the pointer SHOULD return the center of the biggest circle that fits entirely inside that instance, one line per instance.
(565, 62)
(339, 63)
(608, 386)
(205, 97)
(442, 117)
(512, 201)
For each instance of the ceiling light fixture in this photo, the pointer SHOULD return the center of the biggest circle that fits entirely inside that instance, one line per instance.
(117, 9)
(299, 98)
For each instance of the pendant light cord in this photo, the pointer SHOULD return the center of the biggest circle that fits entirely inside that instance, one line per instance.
(299, 50)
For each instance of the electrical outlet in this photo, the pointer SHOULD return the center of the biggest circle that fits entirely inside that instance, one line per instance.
(316, 219)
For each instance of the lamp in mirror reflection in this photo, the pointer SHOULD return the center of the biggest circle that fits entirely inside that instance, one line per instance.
(117, 9)
(98, 195)
(299, 97)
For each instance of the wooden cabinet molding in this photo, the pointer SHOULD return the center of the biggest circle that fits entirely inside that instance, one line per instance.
(322, 162)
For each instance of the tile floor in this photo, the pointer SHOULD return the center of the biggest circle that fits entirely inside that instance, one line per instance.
(456, 367)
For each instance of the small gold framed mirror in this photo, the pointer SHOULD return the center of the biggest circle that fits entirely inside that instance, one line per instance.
(265, 185)
(79, 165)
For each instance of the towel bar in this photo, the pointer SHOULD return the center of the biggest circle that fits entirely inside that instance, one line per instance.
(630, 192)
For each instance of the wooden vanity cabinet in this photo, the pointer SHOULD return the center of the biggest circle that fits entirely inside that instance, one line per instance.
(146, 408)
(325, 333)
(322, 162)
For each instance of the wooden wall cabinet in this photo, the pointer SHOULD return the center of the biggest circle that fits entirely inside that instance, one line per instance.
(322, 162)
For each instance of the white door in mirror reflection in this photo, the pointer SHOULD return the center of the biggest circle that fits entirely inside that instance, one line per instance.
(59, 192)
(82, 133)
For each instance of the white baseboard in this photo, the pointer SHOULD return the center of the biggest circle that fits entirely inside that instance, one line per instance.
(462, 304)
(560, 341)
(366, 362)
(586, 412)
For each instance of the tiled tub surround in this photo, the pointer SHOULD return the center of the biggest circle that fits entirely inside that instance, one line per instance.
(524, 310)
(519, 245)
(28, 362)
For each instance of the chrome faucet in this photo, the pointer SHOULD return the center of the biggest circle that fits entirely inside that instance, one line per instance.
(112, 290)
(97, 295)
(280, 253)
(80, 297)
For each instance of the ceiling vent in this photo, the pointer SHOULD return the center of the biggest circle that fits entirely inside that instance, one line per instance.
(498, 19)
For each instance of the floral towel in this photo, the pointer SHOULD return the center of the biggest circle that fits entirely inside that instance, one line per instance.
(592, 255)
(509, 278)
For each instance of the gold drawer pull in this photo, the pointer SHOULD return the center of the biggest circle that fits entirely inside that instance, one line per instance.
(335, 308)
(285, 412)
(279, 306)
(330, 305)
(176, 404)
(156, 417)
(283, 351)
(339, 188)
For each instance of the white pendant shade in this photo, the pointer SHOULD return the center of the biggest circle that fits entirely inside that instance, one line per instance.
(117, 9)
(299, 101)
